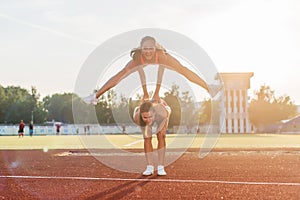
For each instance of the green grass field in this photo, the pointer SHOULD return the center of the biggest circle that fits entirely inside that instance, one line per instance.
(250, 141)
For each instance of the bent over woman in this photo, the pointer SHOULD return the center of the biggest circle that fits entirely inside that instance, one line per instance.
(148, 114)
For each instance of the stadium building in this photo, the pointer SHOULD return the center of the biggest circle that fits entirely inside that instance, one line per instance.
(234, 103)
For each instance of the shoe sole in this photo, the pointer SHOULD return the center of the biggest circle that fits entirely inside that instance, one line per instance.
(147, 174)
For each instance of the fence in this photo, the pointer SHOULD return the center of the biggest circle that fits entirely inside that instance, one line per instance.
(70, 129)
(94, 129)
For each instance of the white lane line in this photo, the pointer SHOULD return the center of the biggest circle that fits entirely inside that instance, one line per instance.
(153, 180)
(132, 143)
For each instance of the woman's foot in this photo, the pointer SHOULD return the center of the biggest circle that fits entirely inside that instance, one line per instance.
(161, 170)
(149, 170)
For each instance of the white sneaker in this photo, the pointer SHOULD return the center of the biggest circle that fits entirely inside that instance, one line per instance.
(161, 170)
(91, 99)
(215, 89)
(149, 170)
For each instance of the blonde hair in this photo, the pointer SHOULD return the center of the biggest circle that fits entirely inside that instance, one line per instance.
(146, 38)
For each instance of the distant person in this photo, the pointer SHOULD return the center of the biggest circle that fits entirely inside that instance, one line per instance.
(31, 128)
(198, 130)
(84, 129)
(21, 129)
(58, 129)
(88, 129)
(123, 129)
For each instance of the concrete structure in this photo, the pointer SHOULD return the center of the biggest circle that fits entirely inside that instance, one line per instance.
(234, 102)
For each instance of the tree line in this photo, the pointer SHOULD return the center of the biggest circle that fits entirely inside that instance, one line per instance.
(17, 103)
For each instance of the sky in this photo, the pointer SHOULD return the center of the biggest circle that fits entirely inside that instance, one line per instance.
(44, 43)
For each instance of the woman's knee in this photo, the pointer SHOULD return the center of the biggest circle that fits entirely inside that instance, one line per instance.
(161, 136)
(148, 140)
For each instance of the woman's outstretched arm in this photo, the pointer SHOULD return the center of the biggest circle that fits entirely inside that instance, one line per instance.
(113, 81)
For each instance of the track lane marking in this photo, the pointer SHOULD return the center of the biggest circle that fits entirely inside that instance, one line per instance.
(132, 143)
(153, 180)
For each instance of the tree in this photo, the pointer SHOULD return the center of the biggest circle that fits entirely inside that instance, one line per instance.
(210, 112)
(122, 112)
(38, 113)
(265, 108)
(3, 101)
(17, 103)
(205, 112)
(82, 113)
(104, 108)
(189, 114)
(59, 107)
(173, 100)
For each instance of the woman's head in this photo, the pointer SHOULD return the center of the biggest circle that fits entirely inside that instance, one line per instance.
(146, 113)
(148, 49)
(148, 46)
(149, 40)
